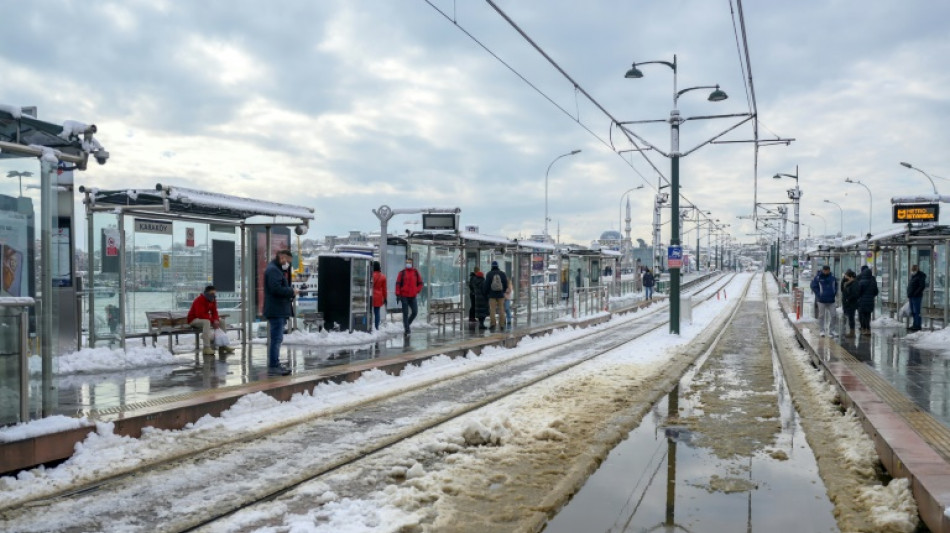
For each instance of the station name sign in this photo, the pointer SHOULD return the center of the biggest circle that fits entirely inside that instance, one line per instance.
(916, 213)
(159, 227)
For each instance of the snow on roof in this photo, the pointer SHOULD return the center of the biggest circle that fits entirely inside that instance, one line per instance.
(237, 203)
(469, 236)
(537, 245)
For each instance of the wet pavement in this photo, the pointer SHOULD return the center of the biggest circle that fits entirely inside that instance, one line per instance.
(723, 452)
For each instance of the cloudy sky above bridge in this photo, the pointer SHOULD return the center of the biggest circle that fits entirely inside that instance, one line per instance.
(344, 106)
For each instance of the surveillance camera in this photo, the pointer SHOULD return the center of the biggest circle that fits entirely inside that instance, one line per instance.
(101, 156)
(301, 230)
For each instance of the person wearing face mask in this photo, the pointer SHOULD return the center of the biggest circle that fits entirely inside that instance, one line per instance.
(203, 315)
(408, 286)
(279, 295)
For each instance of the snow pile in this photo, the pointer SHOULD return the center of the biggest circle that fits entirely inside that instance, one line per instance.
(43, 426)
(480, 432)
(937, 340)
(12, 109)
(891, 506)
(89, 360)
(886, 322)
(855, 446)
(583, 318)
(345, 338)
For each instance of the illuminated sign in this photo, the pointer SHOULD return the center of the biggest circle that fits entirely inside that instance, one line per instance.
(916, 213)
(435, 222)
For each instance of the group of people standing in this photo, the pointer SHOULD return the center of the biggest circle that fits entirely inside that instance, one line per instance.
(858, 292)
(490, 296)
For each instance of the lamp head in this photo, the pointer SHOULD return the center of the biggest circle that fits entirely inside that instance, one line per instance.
(848, 180)
(827, 201)
(717, 95)
(575, 152)
(908, 165)
(634, 72)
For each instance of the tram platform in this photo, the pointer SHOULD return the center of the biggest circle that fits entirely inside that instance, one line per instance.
(171, 397)
(902, 396)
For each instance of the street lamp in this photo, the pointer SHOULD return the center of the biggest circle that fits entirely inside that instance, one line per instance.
(870, 201)
(620, 214)
(675, 120)
(21, 175)
(795, 195)
(908, 165)
(546, 219)
(814, 214)
(841, 227)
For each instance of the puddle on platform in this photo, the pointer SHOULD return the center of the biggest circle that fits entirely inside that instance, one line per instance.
(659, 479)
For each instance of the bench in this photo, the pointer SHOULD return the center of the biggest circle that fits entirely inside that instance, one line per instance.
(442, 309)
(171, 323)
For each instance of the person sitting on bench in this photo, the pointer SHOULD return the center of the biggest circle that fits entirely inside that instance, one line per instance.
(204, 315)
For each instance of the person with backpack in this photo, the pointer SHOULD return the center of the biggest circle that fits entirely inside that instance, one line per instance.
(867, 291)
(915, 294)
(496, 283)
(408, 286)
(648, 285)
(825, 287)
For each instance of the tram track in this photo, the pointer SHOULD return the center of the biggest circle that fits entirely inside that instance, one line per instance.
(368, 414)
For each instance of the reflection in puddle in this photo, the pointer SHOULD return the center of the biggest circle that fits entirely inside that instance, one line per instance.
(658, 479)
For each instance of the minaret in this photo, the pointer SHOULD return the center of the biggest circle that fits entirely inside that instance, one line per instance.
(627, 228)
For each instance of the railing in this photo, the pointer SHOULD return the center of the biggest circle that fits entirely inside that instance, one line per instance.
(15, 343)
(588, 301)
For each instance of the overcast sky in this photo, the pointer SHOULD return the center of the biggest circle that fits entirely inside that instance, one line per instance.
(344, 106)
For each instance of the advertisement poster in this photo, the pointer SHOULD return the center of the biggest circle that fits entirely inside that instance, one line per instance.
(279, 240)
(14, 254)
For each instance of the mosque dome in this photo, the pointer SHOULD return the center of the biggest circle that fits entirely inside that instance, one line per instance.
(610, 235)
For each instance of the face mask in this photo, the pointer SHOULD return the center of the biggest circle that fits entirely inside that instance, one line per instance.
(285, 266)
(408, 265)
(210, 296)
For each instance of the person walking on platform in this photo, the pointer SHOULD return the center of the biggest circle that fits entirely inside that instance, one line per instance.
(471, 295)
(849, 299)
(203, 315)
(867, 291)
(379, 291)
(648, 285)
(496, 283)
(279, 295)
(408, 286)
(915, 294)
(479, 299)
(825, 287)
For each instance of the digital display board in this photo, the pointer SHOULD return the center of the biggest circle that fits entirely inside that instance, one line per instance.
(916, 213)
(436, 222)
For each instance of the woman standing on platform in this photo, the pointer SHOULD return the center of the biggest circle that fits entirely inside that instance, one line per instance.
(379, 291)
(867, 291)
(849, 299)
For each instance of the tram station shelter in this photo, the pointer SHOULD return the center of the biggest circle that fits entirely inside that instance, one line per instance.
(890, 255)
(154, 250)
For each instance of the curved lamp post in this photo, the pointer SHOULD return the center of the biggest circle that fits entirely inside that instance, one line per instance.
(572, 152)
(21, 175)
(814, 214)
(870, 201)
(841, 227)
(912, 167)
(675, 120)
(795, 195)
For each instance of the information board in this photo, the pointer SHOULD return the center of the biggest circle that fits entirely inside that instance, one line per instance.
(916, 213)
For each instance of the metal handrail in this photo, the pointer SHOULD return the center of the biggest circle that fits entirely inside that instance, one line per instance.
(24, 304)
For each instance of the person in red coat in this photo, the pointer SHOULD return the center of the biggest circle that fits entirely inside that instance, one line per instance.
(408, 286)
(379, 291)
(204, 315)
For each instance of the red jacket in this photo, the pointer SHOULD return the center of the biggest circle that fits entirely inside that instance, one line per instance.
(379, 289)
(408, 283)
(203, 308)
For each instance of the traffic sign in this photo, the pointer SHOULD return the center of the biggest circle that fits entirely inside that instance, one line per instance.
(674, 257)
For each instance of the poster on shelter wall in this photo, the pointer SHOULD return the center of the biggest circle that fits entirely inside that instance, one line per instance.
(279, 240)
(14, 254)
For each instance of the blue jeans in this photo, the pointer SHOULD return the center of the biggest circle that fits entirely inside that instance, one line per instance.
(915, 310)
(648, 293)
(276, 326)
(376, 316)
(407, 305)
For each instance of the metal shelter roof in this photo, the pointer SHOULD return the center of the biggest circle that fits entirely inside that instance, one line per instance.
(192, 202)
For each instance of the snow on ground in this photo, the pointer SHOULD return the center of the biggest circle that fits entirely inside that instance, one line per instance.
(343, 338)
(89, 360)
(412, 490)
(43, 426)
(103, 453)
(937, 340)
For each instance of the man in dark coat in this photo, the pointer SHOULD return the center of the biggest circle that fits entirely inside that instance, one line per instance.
(915, 294)
(825, 287)
(279, 295)
(849, 299)
(867, 291)
(648, 285)
(495, 292)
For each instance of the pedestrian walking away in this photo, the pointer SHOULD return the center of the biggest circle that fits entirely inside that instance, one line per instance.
(915, 295)
(648, 281)
(203, 315)
(496, 283)
(476, 272)
(408, 287)
(825, 287)
(867, 292)
(279, 295)
(379, 292)
(849, 299)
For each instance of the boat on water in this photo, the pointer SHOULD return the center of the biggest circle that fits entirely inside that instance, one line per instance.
(226, 300)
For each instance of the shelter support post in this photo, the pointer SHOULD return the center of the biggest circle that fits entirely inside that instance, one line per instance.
(91, 278)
